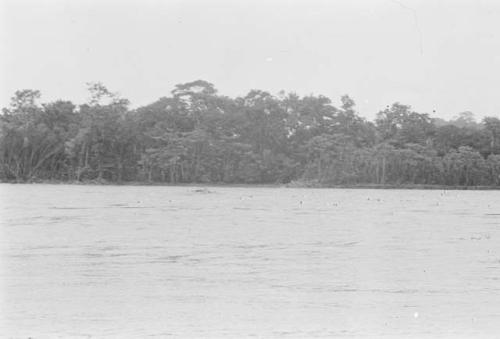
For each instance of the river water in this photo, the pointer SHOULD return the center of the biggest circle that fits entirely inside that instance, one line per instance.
(239, 262)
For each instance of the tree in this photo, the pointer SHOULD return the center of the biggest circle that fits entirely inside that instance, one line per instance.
(465, 120)
(194, 134)
(98, 149)
(399, 125)
(28, 143)
(492, 127)
(465, 167)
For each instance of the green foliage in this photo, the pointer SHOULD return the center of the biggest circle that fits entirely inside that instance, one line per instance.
(197, 135)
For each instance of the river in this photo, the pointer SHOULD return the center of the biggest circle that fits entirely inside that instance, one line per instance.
(242, 262)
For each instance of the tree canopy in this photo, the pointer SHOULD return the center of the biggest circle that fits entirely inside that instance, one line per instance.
(196, 135)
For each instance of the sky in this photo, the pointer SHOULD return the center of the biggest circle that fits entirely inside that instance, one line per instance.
(440, 57)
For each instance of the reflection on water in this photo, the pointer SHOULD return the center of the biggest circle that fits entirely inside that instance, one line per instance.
(80, 261)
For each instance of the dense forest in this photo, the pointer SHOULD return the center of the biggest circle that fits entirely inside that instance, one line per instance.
(196, 135)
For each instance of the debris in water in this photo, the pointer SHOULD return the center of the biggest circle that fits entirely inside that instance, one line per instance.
(203, 190)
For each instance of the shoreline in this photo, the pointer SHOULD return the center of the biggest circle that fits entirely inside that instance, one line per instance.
(305, 185)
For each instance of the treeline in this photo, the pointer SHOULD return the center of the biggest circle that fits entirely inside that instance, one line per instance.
(196, 135)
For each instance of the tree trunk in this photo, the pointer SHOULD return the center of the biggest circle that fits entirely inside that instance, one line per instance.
(383, 170)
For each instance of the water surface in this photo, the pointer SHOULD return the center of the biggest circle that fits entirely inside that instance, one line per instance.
(222, 262)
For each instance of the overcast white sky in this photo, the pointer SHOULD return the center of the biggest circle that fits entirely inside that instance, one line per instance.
(433, 55)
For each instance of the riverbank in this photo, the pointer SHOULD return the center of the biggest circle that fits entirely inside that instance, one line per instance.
(397, 186)
(294, 184)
